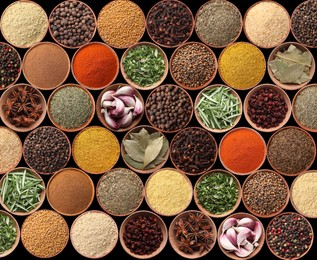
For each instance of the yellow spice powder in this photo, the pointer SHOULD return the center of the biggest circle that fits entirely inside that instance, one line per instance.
(242, 65)
(304, 194)
(168, 192)
(96, 150)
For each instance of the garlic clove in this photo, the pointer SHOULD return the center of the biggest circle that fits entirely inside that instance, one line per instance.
(127, 100)
(103, 110)
(126, 120)
(107, 96)
(242, 252)
(257, 232)
(226, 244)
(125, 90)
(248, 246)
(230, 222)
(245, 234)
(111, 122)
(232, 236)
(126, 111)
(119, 108)
(241, 229)
(138, 108)
(107, 104)
(246, 222)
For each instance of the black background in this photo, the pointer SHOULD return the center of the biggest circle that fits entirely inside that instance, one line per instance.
(118, 252)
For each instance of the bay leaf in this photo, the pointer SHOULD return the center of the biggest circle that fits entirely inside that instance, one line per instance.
(155, 135)
(153, 164)
(293, 57)
(272, 64)
(134, 150)
(303, 78)
(292, 73)
(152, 150)
(308, 57)
(143, 138)
(293, 49)
(133, 163)
(281, 65)
(164, 148)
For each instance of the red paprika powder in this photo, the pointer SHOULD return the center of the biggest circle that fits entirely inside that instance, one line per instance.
(242, 151)
(95, 65)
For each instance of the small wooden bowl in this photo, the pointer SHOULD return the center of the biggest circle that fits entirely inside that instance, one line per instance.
(269, 143)
(55, 175)
(18, 234)
(291, 195)
(20, 151)
(205, 211)
(273, 252)
(202, 39)
(5, 120)
(314, 130)
(209, 80)
(250, 209)
(201, 122)
(71, 129)
(279, 91)
(160, 222)
(237, 173)
(174, 240)
(42, 195)
(107, 210)
(175, 45)
(232, 255)
(175, 213)
(73, 243)
(131, 82)
(148, 116)
(101, 117)
(151, 130)
(284, 47)
(67, 46)
(20, 65)
(182, 132)
(245, 30)
(117, 67)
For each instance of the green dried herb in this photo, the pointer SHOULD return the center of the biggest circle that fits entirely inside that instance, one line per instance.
(292, 65)
(144, 150)
(217, 193)
(8, 233)
(144, 65)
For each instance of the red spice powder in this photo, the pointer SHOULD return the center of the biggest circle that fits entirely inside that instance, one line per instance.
(95, 65)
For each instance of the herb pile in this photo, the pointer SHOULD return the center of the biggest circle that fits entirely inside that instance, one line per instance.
(7, 228)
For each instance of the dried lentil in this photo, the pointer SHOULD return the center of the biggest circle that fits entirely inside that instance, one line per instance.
(10, 65)
(121, 23)
(193, 65)
(44, 233)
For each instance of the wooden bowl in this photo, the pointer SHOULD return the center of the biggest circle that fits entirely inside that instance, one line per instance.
(174, 240)
(67, 46)
(209, 80)
(148, 116)
(284, 47)
(202, 39)
(269, 143)
(183, 132)
(5, 120)
(201, 207)
(101, 117)
(254, 212)
(160, 222)
(232, 255)
(117, 67)
(147, 200)
(273, 252)
(68, 194)
(20, 64)
(151, 130)
(314, 130)
(175, 45)
(248, 36)
(279, 91)
(18, 233)
(42, 194)
(19, 157)
(238, 173)
(200, 121)
(107, 210)
(131, 82)
(73, 243)
(71, 129)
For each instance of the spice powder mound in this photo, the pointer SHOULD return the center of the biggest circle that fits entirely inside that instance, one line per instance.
(44, 233)
(94, 234)
(168, 192)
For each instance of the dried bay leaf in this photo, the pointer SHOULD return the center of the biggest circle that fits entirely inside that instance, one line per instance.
(152, 150)
(142, 138)
(292, 73)
(134, 150)
(133, 163)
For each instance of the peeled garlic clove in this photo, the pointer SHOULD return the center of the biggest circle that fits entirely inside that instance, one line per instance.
(107, 96)
(126, 120)
(232, 236)
(125, 90)
(257, 232)
(230, 222)
(242, 252)
(107, 104)
(246, 222)
(111, 122)
(127, 100)
(242, 236)
(226, 244)
(138, 108)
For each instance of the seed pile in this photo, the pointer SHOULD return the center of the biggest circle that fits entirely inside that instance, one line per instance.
(121, 23)
(10, 65)
(193, 65)
(72, 23)
(7, 228)
(265, 193)
(169, 108)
